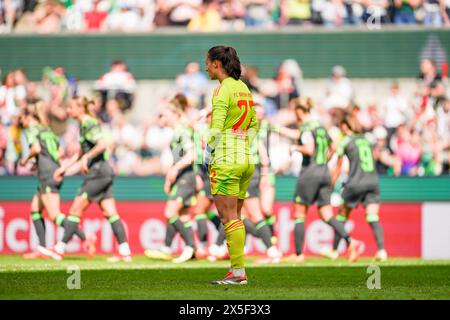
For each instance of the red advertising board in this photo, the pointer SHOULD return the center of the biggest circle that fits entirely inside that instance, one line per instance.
(145, 225)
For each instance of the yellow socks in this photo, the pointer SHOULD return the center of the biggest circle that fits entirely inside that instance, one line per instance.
(235, 233)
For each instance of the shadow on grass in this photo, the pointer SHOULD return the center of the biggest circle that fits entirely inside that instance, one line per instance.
(283, 282)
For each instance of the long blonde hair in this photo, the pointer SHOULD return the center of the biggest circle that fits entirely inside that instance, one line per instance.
(304, 103)
(38, 111)
(85, 102)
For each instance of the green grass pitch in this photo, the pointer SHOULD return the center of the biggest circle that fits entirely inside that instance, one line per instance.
(317, 278)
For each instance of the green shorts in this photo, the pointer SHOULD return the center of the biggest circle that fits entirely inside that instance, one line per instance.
(46, 170)
(48, 185)
(184, 189)
(253, 188)
(230, 179)
(98, 183)
(204, 175)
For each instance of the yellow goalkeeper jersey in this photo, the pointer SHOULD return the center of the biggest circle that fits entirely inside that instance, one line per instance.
(233, 122)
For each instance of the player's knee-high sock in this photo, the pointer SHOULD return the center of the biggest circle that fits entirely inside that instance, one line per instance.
(39, 226)
(264, 233)
(221, 236)
(184, 233)
(235, 233)
(214, 218)
(270, 220)
(190, 232)
(250, 228)
(299, 235)
(71, 226)
(377, 230)
(339, 229)
(170, 232)
(119, 233)
(118, 229)
(202, 228)
(337, 238)
(62, 221)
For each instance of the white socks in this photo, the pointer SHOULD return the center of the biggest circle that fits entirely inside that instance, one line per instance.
(239, 272)
(60, 247)
(124, 249)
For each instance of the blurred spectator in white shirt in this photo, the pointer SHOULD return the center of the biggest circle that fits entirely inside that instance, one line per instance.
(193, 84)
(10, 9)
(443, 120)
(334, 13)
(258, 13)
(339, 92)
(12, 98)
(127, 140)
(117, 78)
(157, 137)
(180, 12)
(433, 14)
(118, 83)
(385, 160)
(375, 12)
(125, 19)
(395, 109)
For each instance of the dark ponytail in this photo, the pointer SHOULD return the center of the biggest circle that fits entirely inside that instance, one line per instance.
(229, 58)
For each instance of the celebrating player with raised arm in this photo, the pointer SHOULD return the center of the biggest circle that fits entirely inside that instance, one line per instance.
(44, 147)
(98, 181)
(314, 182)
(180, 186)
(227, 155)
(362, 184)
(267, 181)
(252, 208)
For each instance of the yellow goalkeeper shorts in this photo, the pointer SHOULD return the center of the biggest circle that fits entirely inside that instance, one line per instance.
(230, 179)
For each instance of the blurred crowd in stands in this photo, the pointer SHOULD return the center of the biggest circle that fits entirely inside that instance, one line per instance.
(49, 16)
(410, 130)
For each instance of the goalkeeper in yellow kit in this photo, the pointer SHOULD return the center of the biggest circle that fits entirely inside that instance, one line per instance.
(228, 157)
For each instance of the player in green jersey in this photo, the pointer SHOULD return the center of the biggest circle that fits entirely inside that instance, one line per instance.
(203, 211)
(362, 184)
(97, 186)
(255, 220)
(227, 155)
(45, 149)
(180, 186)
(314, 181)
(267, 181)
